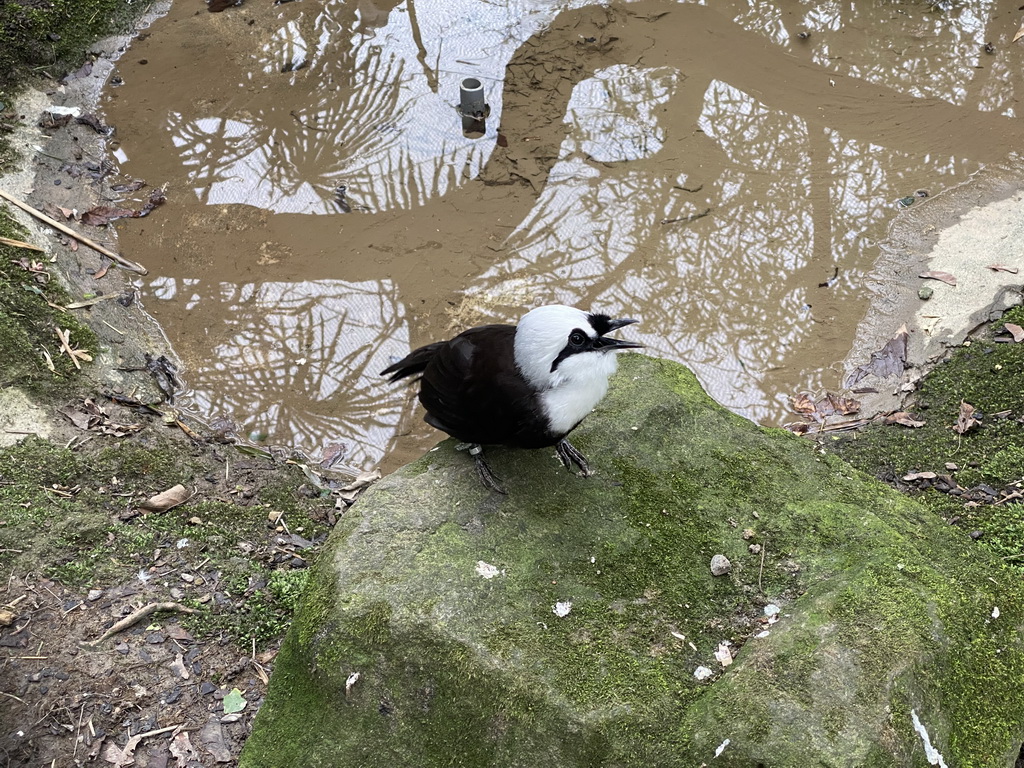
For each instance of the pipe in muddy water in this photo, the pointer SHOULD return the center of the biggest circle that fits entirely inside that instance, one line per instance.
(472, 107)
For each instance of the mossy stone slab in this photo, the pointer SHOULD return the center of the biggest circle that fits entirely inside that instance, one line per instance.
(561, 625)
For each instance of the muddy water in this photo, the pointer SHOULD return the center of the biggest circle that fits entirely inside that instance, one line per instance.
(724, 175)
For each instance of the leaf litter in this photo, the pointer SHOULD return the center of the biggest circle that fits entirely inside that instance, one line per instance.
(890, 360)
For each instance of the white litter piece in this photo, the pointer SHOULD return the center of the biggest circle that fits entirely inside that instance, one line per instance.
(772, 610)
(702, 673)
(561, 610)
(73, 111)
(995, 612)
(721, 747)
(351, 681)
(930, 752)
(723, 655)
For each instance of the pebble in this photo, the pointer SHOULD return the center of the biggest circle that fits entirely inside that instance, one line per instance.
(720, 565)
(925, 292)
(207, 688)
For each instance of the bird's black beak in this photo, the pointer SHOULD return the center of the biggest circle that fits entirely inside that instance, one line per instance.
(614, 325)
(610, 345)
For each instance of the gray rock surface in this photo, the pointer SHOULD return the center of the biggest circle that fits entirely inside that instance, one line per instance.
(562, 625)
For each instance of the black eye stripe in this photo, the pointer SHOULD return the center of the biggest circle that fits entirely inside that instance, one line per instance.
(574, 346)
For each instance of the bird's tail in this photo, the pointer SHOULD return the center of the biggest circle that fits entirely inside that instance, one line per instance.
(412, 364)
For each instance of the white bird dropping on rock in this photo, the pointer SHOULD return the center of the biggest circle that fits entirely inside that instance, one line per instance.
(720, 565)
(486, 570)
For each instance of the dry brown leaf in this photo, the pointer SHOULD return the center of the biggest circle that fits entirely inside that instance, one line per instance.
(904, 418)
(104, 214)
(919, 476)
(1015, 330)
(363, 479)
(844, 406)
(965, 420)
(182, 750)
(803, 403)
(945, 277)
(1002, 268)
(890, 360)
(172, 497)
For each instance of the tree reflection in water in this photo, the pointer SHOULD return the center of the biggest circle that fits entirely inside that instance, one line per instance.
(708, 187)
(324, 339)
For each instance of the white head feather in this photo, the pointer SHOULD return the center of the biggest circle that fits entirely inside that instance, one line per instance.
(570, 391)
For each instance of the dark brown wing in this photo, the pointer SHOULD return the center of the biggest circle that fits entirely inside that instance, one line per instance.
(472, 390)
(412, 363)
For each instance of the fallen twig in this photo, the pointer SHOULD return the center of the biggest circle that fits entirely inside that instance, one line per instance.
(20, 244)
(70, 232)
(136, 616)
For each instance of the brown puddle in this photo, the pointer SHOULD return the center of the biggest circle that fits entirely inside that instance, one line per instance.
(710, 172)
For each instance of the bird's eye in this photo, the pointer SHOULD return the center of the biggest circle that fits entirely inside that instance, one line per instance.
(577, 338)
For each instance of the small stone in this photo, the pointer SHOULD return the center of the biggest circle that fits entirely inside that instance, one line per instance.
(925, 292)
(94, 595)
(748, 533)
(207, 688)
(156, 638)
(755, 549)
(720, 565)
(977, 534)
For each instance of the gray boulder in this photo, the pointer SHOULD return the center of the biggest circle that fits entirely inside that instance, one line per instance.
(568, 623)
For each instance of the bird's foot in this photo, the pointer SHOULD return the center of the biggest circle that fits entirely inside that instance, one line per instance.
(483, 469)
(569, 456)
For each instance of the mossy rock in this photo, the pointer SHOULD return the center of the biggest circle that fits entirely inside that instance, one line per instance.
(428, 635)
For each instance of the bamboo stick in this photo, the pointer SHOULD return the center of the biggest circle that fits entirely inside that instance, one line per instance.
(70, 232)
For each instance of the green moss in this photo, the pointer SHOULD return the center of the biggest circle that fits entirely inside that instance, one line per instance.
(989, 375)
(53, 36)
(28, 324)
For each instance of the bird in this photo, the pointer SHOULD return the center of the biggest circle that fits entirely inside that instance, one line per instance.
(522, 386)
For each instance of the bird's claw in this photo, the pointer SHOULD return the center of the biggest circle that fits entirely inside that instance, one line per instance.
(568, 455)
(483, 469)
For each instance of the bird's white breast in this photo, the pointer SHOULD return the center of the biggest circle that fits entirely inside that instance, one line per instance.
(580, 383)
